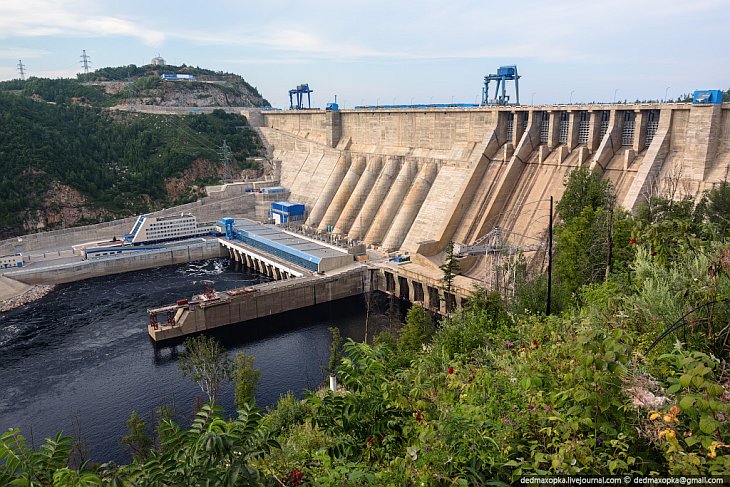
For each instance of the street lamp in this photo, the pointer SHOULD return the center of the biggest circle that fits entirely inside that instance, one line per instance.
(430, 100)
(411, 100)
(614, 94)
(532, 101)
(666, 92)
(571, 97)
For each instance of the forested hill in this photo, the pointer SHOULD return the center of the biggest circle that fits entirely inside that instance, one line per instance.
(66, 161)
(143, 85)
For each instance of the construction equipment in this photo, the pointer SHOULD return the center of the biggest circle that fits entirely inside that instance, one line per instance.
(504, 74)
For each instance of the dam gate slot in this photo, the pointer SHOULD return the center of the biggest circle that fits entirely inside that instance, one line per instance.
(627, 131)
(583, 127)
(418, 291)
(403, 285)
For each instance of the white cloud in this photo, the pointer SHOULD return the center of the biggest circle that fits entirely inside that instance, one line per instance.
(36, 18)
(21, 53)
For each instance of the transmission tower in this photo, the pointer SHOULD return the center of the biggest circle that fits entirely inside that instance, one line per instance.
(85, 61)
(21, 69)
(129, 89)
(225, 155)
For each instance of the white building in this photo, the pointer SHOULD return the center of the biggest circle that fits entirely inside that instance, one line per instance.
(149, 229)
(7, 261)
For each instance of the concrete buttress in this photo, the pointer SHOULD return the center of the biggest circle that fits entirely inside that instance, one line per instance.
(343, 193)
(411, 205)
(359, 195)
(329, 191)
(374, 200)
(392, 203)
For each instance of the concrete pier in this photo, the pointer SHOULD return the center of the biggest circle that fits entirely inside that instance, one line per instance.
(245, 304)
(407, 281)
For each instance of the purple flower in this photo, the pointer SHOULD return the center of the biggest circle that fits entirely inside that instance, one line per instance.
(600, 441)
(509, 344)
(547, 409)
(507, 421)
(531, 408)
(500, 389)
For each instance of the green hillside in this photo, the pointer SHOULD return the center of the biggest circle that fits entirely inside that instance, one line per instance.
(119, 162)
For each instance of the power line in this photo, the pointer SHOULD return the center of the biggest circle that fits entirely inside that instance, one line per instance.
(85, 62)
(21, 69)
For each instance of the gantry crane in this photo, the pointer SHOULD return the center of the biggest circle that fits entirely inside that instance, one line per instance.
(504, 74)
(299, 92)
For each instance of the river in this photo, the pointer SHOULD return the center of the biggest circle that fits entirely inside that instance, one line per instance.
(80, 359)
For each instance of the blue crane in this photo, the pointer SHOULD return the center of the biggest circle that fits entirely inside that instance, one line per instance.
(300, 91)
(504, 74)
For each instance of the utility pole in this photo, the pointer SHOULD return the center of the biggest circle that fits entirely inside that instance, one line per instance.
(225, 155)
(550, 259)
(85, 62)
(21, 69)
(609, 257)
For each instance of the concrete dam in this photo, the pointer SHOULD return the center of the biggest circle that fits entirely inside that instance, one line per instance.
(413, 179)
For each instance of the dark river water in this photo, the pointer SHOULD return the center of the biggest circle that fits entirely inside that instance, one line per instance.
(80, 360)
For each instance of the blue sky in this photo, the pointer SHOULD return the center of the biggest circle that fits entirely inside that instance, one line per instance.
(378, 51)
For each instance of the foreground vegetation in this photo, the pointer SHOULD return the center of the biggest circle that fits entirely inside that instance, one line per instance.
(631, 378)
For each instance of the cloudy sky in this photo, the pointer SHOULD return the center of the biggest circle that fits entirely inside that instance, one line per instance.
(379, 51)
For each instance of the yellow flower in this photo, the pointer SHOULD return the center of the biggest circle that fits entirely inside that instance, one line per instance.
(714, 446)
(654, 415)
(667, 434)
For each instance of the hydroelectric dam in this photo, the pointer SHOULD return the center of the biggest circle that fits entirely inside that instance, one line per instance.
(410, 180)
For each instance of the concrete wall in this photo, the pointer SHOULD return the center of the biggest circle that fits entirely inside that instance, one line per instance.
(76, 271)
(483, 177)
(206, 209)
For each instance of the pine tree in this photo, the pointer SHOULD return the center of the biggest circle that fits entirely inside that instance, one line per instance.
(450, 267)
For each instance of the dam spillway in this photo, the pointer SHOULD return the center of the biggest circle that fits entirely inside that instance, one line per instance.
(483, 164)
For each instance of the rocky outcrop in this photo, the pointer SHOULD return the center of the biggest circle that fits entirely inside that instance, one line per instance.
(230, 91)
(34, 293)
(63, 207)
